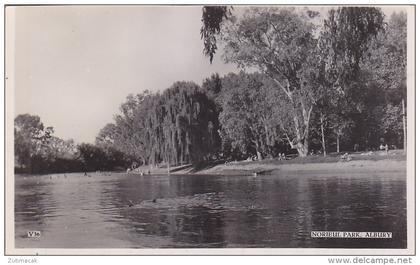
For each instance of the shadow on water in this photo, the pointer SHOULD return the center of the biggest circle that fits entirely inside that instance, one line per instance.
(211, 211)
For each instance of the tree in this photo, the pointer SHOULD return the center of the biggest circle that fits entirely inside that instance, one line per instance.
(247, 120)
(176, 127)
(107, 135)
(391, 123)
(189, 124)
(37, 150)
(343, 42)
(386, 60)
(59, 148)
(92, 157)
(128, 134)
(212, 19)
(212, 86)
(30, 138)
(345, 38)
(280, 43)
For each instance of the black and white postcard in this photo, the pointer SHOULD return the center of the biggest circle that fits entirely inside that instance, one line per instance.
(219, 129)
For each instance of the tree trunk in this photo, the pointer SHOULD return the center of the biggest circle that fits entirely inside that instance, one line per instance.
(301, 127)
(174, 148)
(302, 144)
(267, 136)
(181, 147)
(168, 163)
(404, 127)
(338, 143)
(259, 156)
(257, 150)
(323, 136)
(302, 148)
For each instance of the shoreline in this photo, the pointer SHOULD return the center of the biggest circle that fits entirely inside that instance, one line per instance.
(358, 166)
(391, 164)
(359, 163)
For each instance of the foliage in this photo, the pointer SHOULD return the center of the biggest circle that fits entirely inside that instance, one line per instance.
(94, 158)
(386, 59)
(30, 138)
(37, 150)
(344, 40)
(391, 124)
(281, 44)
(340, 87)
(179, 126)
(212, 19)
(249, 123)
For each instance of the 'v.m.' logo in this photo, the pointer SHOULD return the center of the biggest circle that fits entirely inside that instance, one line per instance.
(34, 233)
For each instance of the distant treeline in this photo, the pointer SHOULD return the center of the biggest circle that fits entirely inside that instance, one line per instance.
(312, 89)
(38, 151)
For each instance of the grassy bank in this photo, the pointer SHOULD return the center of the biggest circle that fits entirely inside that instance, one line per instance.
(379, 161)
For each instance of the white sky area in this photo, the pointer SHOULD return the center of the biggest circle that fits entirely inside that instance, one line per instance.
(75, 65)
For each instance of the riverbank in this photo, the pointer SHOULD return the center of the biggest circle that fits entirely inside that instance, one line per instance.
(359, 166)
(380, 161)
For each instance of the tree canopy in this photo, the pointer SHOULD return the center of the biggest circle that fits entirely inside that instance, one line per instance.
(302, 86)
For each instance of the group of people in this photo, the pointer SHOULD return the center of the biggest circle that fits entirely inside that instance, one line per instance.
(137, 170)
(346, 157)
(384, 147)
(282, 156)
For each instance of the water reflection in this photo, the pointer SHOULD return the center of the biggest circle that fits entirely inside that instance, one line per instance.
(129, 211)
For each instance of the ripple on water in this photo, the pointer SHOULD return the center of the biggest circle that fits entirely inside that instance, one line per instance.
(202, 211)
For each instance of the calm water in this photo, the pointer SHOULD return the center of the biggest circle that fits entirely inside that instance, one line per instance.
(208, 211)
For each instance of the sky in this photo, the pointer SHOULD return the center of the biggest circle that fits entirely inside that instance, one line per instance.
(75, 65)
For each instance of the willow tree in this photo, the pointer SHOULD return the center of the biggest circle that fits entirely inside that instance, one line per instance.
(281, 44)
(212, 19)
(189, 124)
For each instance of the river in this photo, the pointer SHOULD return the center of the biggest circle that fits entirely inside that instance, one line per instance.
(194, 211)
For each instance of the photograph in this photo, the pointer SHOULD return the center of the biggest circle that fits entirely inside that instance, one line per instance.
(209, 129)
